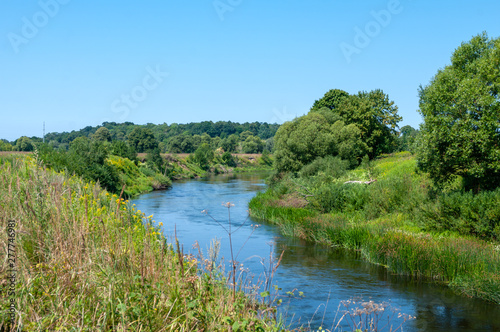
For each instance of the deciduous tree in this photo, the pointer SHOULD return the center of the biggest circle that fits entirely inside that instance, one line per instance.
(461, 111)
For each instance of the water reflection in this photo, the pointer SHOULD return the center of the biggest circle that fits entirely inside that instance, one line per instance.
(327, 276)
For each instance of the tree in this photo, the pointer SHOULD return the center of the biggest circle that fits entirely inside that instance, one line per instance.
(122, 149)
(142, 139)
(460, 135)
(244, 135)
(372, 112)
(154, 160)
(102, 134)
(230, 144)
(299, 142)
(376, 116)
(5, 145)
(406, 139)
(227, 158)
(203, 156)
(24, 143)
(252, 144)
(330, 100)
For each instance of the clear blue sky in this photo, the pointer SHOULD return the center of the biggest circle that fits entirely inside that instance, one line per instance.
(77, 63)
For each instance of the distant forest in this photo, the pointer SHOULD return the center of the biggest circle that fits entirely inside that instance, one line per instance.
(254, 137)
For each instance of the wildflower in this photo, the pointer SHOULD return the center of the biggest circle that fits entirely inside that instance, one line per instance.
(161, 224)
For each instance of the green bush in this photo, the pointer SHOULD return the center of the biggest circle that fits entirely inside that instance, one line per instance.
(340, 197)
(329, 165)
(464, 212)
(227, 159)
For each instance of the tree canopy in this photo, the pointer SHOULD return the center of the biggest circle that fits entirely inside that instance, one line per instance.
(142, 139)
(301, 141)
(372, 112)
(461, 110)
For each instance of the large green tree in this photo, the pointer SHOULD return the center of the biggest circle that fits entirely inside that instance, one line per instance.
(142, 139)
(252, 144)
(375, 115)
(102, 134)
(203, 156)
(24, 143)
(330, 100)
(317, 134)
(461, 111)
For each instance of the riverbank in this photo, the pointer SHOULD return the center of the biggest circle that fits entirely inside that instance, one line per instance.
(181, 166)
(88, 259)
(124, 172)
(387, 220)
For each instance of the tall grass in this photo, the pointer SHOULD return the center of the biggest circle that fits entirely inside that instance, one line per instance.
(88, 261)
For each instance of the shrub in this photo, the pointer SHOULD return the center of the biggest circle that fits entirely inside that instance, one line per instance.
(329, 165)
(227, 159)
(465, 213)
(340, 197)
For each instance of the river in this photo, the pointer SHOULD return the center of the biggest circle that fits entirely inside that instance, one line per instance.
(326, 276)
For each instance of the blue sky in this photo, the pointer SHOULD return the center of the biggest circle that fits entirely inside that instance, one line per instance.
(77, 63)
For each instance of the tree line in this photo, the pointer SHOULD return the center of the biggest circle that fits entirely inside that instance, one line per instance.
(254, 137)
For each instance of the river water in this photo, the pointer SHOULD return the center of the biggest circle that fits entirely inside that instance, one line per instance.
(326, 276)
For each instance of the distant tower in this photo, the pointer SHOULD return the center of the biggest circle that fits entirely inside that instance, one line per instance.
(43, 139)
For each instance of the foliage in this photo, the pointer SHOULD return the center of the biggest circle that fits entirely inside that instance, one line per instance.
(5, 145)
(299, 142)
(374, 114)
(465, 213)
(330, 166)
(24, 144)
(122, 149)
(154, 160)
(230, 144)
(252, 144)
(461, 108)
(227, 159)
(331, 100)
(102, 134)
(142, 139)
(135, 181)
(203, 156)
(407, 139)
(174, 138)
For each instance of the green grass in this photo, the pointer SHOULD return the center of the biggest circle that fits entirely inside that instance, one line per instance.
(392, 222)
(88, 261)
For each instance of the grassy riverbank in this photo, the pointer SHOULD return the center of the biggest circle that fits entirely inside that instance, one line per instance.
(397, 221)
(87, 260)
(182, 166)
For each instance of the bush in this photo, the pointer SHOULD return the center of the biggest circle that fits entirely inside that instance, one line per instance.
(465, 213)
(203, 156)
(340, 197)
(227, 159)
(329, 165)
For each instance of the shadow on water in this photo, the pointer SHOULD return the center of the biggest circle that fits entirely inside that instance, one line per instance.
(326, 275)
